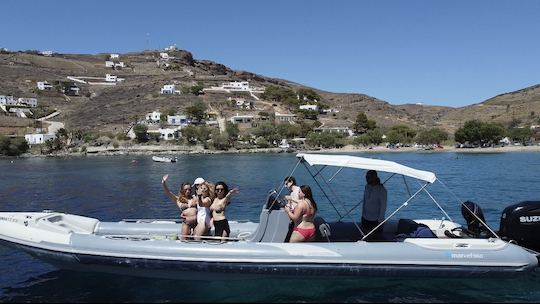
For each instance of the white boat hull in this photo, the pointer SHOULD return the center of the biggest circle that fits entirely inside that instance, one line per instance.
(85, 244)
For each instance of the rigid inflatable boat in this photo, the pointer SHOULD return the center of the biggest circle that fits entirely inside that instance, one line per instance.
(152, 247)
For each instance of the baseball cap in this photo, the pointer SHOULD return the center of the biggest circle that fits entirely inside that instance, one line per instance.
(198, 181)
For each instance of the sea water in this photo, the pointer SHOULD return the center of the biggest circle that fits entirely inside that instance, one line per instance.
(123, 187)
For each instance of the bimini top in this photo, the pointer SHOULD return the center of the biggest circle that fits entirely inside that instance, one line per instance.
(367, 164)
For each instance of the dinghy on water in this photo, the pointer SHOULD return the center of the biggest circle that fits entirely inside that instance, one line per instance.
(162, 159)
(151, 247)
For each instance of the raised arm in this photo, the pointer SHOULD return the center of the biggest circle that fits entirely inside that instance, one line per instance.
(230, 194)
(168, 192)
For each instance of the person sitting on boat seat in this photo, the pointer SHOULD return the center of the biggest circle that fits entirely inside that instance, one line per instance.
(374, 208)
(223, 196)
(205, 195)
(302, 216)
(185, 203)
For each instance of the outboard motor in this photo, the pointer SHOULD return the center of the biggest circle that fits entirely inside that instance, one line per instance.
(521, 223)
(472, 213)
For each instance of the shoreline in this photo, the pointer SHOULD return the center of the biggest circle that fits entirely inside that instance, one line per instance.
(181, 150)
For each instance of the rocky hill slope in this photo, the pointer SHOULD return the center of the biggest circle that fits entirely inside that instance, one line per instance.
(113, 108)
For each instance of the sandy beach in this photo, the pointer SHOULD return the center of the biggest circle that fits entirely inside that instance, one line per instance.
(172, 149)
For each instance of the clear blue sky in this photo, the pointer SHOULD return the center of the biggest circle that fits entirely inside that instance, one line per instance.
(451, 53)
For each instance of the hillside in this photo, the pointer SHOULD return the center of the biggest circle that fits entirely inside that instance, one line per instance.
(112, 108)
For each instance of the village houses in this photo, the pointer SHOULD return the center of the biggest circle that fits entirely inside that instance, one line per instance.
(285, 117)
(38, 139)
(169, 89)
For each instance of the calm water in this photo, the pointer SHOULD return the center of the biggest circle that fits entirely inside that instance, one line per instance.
(115, 188)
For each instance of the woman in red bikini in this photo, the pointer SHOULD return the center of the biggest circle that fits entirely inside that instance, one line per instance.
(302, 216)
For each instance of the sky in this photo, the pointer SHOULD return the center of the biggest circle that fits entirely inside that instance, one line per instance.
(450, 53)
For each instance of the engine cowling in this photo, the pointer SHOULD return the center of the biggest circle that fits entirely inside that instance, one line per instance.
(521, 222)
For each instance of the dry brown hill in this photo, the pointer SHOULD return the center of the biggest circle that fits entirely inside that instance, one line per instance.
(113, 108)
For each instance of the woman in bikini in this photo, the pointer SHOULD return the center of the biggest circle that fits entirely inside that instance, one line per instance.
(223, 195)
(302, 216)
(185, 203)
(204, 199)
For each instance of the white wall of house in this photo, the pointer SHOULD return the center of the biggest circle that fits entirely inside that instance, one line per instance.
(344, 130)
(236, 86)
(37, 139)
(241, 119)
(177, 120)
(164, 55)
(30, 102)
(111, 78)
(154, 116)
(114, 56)
(7, 100)
(44, 85)
(109, 64)
(168, 89)
(169, 134)
(309, 107)
(285, 117)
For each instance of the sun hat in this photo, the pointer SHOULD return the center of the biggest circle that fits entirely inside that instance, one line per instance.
(198, 181)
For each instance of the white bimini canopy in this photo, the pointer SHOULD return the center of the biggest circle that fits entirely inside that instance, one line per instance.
(348, 161)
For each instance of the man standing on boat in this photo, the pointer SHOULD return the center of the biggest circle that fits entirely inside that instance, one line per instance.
(374, 207)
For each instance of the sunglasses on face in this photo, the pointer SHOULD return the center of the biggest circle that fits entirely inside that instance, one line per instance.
(219, 189)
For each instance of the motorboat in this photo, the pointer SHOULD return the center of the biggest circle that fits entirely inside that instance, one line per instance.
(153, 248)
(163, 159)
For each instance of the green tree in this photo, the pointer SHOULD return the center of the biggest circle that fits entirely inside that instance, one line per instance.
(521, 135)
(375, 136)
(232, 130)
(431, 136)
(363, 124)
(309, 94)
(197, 89)
(197, 111)
(220, 141)
(403, 133)
(12, 146)
(141, 133)
(277, 93)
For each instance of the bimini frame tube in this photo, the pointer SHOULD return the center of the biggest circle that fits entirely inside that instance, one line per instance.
(400, 207)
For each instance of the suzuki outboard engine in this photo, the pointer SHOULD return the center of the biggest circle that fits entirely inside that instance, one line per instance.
(521, 223)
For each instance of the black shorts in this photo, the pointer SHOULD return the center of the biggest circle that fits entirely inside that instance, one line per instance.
(220, 226)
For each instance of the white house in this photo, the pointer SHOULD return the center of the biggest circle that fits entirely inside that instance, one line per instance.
(120, 64)
(177, 120)
(37, 139)
(114, 56)
(111, 78)
(46, 53)
(44, 85)
(29, 102)
(164, 56)
(109, 64)
(242, 119)
(169, 89)
(7, 100)
(240, 86)
(153, 117)
(169, 134)
(309, 107)
(285, 117)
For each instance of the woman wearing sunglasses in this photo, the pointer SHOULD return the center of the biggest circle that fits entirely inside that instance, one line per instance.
(223, 195)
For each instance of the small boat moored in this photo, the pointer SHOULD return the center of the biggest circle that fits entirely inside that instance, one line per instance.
(163, 159)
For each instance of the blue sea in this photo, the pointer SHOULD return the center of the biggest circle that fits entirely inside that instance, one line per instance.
(124, 187)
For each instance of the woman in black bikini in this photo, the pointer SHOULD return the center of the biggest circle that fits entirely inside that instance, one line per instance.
(223, 195)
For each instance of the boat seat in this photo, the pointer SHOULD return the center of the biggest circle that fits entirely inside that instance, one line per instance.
(322, 231)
